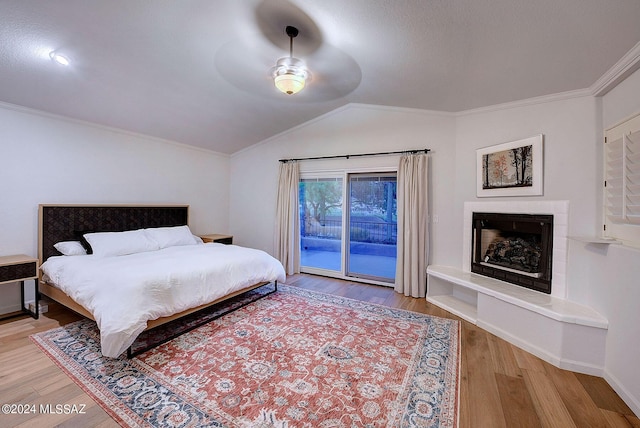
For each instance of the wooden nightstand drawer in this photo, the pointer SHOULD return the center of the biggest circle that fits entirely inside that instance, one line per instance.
(226, 241)
(217, 237)
(20, 268)
(17, 268)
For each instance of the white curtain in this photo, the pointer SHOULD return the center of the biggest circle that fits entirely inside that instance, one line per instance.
(413, 232)
(287, 233)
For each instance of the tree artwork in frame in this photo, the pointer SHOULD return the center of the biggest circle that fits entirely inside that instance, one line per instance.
(511, 169)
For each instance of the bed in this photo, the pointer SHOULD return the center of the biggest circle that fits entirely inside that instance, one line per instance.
(126, 289)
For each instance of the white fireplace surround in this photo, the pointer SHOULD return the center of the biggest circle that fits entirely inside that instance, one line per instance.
(560, 212)
(561, 332)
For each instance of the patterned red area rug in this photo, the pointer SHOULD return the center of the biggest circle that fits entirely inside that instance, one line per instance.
(295, 358)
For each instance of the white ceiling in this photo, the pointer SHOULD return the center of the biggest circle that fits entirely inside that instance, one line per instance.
(197, 71)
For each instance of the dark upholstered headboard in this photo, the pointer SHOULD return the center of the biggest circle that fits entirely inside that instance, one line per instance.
(67, 222)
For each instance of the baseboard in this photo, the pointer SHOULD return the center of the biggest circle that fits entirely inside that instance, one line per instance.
(43, 307)
(630, 400)
(581, 367)
(9, 308)
(575, 366)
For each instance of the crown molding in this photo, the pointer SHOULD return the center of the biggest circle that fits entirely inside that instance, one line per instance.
(339, 110)
(290, 130)
(529, 101)
(414, 110)
(622, 69)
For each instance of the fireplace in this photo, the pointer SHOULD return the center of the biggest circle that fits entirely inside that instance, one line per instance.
(516, 248)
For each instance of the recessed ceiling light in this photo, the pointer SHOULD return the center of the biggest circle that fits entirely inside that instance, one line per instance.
(60, 59)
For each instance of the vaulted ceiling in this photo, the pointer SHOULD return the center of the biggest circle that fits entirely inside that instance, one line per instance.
(197, 71)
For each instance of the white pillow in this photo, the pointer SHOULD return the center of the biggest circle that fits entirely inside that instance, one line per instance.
(70, 248)
(171, 236)
(106, 244)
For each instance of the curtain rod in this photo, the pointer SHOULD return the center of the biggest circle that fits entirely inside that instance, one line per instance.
(401, 152)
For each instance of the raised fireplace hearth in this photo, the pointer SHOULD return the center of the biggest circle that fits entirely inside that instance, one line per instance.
(516, 248)
(561, 331)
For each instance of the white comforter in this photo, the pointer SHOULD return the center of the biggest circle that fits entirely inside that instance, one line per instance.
(124, 292)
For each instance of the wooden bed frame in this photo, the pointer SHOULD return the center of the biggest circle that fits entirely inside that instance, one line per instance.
(58, 223)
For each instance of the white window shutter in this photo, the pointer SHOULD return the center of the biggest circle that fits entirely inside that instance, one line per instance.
(622, 182)
(632, 177)
(614, 181)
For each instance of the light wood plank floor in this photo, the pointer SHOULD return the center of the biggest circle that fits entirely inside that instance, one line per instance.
(501, 385)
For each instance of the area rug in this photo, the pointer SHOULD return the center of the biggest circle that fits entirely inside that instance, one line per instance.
(295, 358)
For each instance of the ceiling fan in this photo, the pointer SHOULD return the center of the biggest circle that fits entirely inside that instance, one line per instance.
(324, 71)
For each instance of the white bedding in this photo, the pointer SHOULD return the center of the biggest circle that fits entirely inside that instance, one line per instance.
(124, 292)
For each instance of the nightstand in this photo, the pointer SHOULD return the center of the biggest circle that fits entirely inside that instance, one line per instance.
(216, 237)
(19, 268)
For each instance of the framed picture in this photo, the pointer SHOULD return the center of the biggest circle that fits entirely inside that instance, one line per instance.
(510, 169)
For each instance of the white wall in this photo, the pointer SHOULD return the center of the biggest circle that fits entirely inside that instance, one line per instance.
(622, 101)
(47, 159)
(613, 271)
(569, 122)
(349, 130)
(570, 132)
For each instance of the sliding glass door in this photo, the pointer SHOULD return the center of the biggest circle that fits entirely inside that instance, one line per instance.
(321, 223)
(365, 203)
(373, 227)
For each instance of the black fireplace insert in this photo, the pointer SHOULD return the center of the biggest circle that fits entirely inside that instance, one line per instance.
(516, 248)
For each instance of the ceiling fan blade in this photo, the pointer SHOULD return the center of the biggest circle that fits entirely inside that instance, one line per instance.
(273, 16)
(246, 65)
(334, 73)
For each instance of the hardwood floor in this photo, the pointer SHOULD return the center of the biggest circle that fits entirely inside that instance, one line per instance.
(500, 384)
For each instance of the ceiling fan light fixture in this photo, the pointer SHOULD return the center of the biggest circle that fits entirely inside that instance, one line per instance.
(289, 83)
(290, 74)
